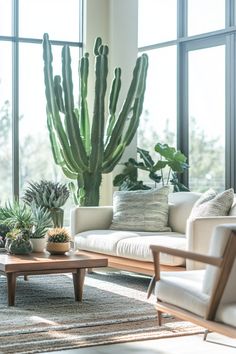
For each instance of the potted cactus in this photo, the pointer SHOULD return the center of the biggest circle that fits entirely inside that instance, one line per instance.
(86, 148)
(48, 195)
(58, 241)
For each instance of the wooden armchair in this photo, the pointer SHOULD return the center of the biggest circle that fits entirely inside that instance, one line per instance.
(204, 297)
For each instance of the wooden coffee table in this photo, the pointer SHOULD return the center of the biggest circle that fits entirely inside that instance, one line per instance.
(43, 263)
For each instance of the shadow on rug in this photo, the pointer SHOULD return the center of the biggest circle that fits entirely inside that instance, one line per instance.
(114, 310)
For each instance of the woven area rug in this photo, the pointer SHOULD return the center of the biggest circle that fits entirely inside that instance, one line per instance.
(114, 309)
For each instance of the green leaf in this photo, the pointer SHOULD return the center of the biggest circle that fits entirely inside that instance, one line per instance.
(160, 165)
(144, 154)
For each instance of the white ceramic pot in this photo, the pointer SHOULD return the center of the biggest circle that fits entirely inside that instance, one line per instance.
(39, 244)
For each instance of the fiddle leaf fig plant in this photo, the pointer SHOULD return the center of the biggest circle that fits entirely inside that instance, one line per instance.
(83, 146)
(171, 161)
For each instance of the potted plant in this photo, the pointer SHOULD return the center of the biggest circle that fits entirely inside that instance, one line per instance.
(48, 195)
(58, 241)
(86, 147)
(18, 241)
(42, 221)
(170, 159)
(32, 222)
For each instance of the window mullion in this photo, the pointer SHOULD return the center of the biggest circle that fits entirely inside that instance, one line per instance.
(230, 148)
(15, 99)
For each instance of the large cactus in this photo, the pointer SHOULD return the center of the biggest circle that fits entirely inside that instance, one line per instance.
(83, 152)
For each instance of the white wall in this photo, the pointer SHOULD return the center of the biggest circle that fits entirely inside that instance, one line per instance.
(116, 22)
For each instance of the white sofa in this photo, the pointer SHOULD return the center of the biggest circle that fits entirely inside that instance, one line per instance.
(130, 250)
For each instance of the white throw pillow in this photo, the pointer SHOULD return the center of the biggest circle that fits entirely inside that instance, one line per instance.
(142, 210)
(212, 204)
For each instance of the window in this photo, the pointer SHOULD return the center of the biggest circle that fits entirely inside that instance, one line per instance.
(207, 118)
(5, 122)
(198, 67)
(32, 158)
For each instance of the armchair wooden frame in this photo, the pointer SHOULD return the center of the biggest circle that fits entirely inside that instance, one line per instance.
(224, 263)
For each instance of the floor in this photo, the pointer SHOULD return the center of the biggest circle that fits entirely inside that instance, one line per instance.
(215, 344)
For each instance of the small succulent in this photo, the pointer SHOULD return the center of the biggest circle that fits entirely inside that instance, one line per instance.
(19, 235)
(58, 235)
(46, 194)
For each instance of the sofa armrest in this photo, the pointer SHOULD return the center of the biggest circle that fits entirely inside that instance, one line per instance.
(199, 232)
(90, 218)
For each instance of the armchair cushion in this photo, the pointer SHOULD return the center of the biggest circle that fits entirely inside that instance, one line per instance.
(227, 314)
(210, 204)
(178, 288)
(145, 210)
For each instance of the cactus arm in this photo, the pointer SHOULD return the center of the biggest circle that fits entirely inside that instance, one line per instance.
(52, 105)
(69, 174)
(73, 129)
(84, 115)
(54, 143)
(109, 164)
(127, 107)
(114, 95)
(137, 109)
(97, 132)
(58, 93)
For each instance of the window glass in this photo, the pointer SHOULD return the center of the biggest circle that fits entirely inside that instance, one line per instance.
(5, 123)
(205, 16)
(5, 17)
(207, 118)
(157, 21)
(59, 18)
(36, 160)
(158, 120)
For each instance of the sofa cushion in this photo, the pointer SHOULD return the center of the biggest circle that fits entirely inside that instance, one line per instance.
(180, 206)
(138, 248)
(210, 204)
(183, 289)
(101, 241)
(142, 210)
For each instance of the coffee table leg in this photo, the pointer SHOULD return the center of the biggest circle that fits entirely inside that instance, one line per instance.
(78, 280)
(11, 287)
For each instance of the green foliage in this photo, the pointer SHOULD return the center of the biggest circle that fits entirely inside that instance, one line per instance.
(16, 215)
(171, 158)
(58, 235)
(42, 221)
(84, 151)
(46, 194)
(33, 221)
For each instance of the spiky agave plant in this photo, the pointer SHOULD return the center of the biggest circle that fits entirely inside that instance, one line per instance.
(16, 215)
(46, 194)
(85, 152)
(42, 221)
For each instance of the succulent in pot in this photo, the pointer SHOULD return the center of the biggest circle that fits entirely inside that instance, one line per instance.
(18, 241)
(48, 195)
(32, 222)
(58, 241)
(42, 221)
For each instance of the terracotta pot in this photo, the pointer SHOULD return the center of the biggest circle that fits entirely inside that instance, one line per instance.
(58, 247)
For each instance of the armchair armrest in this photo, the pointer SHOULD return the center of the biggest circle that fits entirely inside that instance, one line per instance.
(90, 218)
(199, 232)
